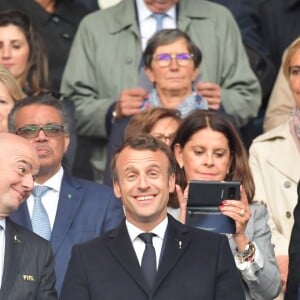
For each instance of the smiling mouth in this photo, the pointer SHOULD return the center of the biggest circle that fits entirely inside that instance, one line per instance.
(144, 198)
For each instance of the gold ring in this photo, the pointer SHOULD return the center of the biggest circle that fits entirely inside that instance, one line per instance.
(242, 212)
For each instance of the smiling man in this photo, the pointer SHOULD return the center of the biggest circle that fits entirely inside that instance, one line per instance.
(76, 210)
(177, 262)
(26, 260)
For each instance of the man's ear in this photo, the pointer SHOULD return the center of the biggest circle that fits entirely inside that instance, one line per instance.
(117, 190)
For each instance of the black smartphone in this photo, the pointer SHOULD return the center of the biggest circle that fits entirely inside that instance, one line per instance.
(212, 193)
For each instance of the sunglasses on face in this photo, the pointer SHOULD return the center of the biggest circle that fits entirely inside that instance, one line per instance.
(32, 131)
(164, 59)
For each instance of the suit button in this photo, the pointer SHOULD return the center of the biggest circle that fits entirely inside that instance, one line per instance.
(288, 214)
(287, 184)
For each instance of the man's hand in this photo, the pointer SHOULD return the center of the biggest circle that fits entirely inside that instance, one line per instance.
(211, 92)
(130, 102)
(283, 263)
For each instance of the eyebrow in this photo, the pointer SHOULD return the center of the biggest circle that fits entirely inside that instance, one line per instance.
(26, 163)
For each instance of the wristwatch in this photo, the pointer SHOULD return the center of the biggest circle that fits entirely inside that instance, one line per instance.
(247, 254)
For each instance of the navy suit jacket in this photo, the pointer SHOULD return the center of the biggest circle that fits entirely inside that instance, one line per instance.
(28, 271)
(194, 264)
(85, 211)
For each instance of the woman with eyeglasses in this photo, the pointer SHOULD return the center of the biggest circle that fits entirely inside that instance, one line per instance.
(171, 62)
(10, 93)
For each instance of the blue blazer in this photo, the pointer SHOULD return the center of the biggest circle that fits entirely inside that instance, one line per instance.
(194, 264)
(85, 211)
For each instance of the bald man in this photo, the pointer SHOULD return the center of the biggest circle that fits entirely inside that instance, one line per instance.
(26, 260)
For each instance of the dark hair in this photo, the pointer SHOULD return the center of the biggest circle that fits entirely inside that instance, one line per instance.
(166, 37)
(201, 119)
(144, 141)
(41, 99)
(36, 78)
(145, 120)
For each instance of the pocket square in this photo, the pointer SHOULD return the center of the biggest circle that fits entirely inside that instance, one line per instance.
(28, 278)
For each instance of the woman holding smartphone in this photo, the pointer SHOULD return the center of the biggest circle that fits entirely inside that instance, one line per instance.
(207, 146)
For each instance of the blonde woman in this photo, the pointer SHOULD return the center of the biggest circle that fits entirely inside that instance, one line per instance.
(10, 92)
(275, 161)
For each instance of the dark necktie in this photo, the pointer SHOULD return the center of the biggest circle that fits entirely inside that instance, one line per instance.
(40, 220)
(148, 265)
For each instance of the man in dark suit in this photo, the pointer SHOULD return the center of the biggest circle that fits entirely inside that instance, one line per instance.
(188, 263)
(293, 281)
(26, 260)
(78, 210)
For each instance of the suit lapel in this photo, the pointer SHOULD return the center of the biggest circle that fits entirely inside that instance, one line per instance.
(122, 249)
(176, 242)
(70, 198)
(12, 258)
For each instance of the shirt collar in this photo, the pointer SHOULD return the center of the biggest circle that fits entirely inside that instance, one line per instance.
(3, 223)
(159, 230)
(54, 182)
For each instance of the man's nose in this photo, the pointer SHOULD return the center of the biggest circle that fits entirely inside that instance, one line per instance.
(143, 182)
(28, 182)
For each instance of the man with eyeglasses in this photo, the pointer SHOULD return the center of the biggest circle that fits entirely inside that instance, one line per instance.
(74, 210)
(104, 72)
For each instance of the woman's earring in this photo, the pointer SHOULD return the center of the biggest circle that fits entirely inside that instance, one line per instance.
(228, 171)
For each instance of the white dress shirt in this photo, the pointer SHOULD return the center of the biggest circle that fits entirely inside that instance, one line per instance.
(2, 247)
(139, 245)
(50, 198)
(148, 23)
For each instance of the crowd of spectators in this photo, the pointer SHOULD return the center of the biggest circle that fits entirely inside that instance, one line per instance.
(108, 62)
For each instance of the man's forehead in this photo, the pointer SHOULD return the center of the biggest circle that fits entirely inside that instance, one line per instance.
(141, 158)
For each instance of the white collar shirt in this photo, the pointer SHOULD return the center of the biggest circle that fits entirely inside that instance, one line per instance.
(50, 198)
(147, 23)
(139, 245)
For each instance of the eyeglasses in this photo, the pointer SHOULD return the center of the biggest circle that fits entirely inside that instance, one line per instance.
(32, 131)
(164, 59)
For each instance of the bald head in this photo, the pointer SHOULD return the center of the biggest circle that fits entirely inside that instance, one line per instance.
(19, 165)
(13, 144)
